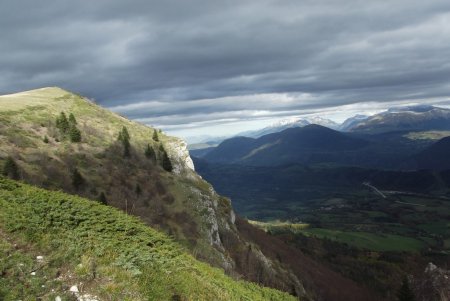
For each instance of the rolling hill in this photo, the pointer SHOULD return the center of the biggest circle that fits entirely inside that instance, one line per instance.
(436, 156)
(312, 143)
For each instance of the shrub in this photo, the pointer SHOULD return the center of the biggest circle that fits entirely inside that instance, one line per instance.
(138, 190)
(102, 198)
(10, 169)
(45, 139)
(77, 179)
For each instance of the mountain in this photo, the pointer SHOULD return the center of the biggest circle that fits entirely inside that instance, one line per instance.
(290, 123)
(352, 121)
(56, 246)
(119, 162)
(311, 143)
(436, 156)
(58, 140)
(417, 118)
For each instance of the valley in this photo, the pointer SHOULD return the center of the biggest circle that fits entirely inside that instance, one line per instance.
(356, 201)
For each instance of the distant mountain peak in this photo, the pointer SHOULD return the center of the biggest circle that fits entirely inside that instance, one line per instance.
(418, 117)
(292, 122)
(413, 108)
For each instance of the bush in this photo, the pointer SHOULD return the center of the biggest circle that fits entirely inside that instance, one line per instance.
(45, 139)
(77, 179)
(10, 169)
(102, 198)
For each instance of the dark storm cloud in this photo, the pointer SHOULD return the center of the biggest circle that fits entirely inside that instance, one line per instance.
(178, 62)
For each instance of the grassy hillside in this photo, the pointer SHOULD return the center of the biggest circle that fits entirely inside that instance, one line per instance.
(102, 251)
(177, 201)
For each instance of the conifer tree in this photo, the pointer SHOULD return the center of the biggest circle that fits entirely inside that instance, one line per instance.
(45, 139)
(62, 123)
(74, 134)
(124, 137)
(165, 161)
(405, 292)
(10, 169)
(150, 153)
(72, 120)
(155, 136)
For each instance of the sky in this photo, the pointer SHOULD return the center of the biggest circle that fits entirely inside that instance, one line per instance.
(217, 68)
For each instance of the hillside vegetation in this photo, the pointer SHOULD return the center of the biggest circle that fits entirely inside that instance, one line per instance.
(59, 140)
(125, 173)
(52, 241)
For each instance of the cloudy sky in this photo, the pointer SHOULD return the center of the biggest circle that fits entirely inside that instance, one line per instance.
(221, 67)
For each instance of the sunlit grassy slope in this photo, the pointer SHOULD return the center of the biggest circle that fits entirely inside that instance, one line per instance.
(166, 200)
(102, 251)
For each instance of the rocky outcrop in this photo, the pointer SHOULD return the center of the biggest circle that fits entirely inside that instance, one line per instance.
(179, 155)
(433, 285)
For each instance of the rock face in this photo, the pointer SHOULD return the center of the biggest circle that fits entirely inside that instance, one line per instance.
(179, 155)
(433, 285)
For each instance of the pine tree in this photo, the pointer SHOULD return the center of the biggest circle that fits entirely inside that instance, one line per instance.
(405, 293)
(165, 162)
(102, 198)
(10, 169)
(72, 120)
(124, 137)
(77, 179)
(62, 123)
(155, 136)
(74, 133)
(125, 133)
(150, 153)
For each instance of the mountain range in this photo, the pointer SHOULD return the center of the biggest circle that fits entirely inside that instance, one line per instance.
(422, 117)
(290, 123)
(398, 119)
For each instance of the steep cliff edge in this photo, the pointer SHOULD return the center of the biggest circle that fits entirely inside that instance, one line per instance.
(136, 181)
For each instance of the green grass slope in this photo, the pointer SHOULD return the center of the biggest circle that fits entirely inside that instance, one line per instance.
(104, 252)
(180, 202)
